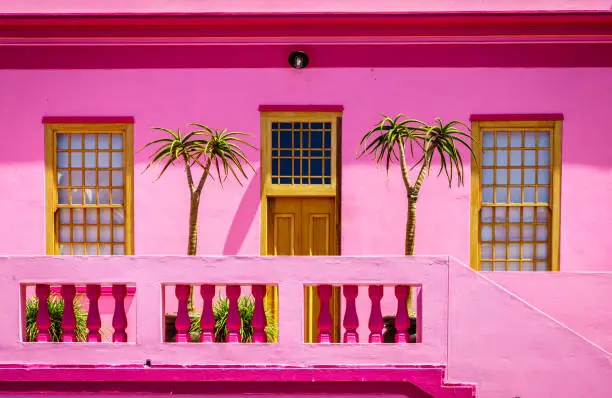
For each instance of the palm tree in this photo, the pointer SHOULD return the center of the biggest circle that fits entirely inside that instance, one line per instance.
(391, 138)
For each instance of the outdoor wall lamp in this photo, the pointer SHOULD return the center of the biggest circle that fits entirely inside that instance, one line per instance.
(298, 59)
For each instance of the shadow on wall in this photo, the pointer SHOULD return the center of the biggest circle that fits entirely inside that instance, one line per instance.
(243, 217)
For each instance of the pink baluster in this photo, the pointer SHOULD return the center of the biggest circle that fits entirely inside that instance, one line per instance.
(182, 322)
(233, 316)
(43, 321)
(68, 319)
(376, 321)
(351, 321)
(119, 317)
(325, 320)
(94, 323)
(402, 322)
(259, 316)
(207, 322)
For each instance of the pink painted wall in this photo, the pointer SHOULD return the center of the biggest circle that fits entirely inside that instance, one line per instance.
(230, 218)
(73, 6)
(573, 298)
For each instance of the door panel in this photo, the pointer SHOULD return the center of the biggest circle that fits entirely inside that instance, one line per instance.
(306, 227)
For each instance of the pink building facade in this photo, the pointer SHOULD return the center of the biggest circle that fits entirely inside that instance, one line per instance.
(516, 67)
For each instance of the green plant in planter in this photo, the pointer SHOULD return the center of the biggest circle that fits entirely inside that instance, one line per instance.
(246, 308)
(55, 303)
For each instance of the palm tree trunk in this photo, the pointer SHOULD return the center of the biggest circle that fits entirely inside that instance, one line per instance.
(410, 225)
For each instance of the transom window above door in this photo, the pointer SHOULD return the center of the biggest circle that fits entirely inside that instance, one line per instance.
(89, 191)
(515, 196)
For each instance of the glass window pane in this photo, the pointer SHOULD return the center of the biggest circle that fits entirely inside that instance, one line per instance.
(118, 216)
(542, 195)
(501, 195)
(118, 234)
(514, 251)
(529, 176)
(117, 196)
(544, 139)
(486, 233)
(500, 232)
(77, 216)
(487, 195)
(64, 234)
(515, 195)
(541, 251)
(105, 234)
(76, 141)
(117, 180)
(78, 234)
(500, 214)
(527, 251)
(77, 196)
(90, 196)
(542, 214)
(105, 216)
(62, 141)
(90, 141)
(76, 159)
(529, 195)
(530, 139)
(515, 158)
(487, 139)
(90, 178)
(515, 177)
(514, 233)
(92, 234)
(103, 160)
(501, 157)
(516, 139)
(514, 214)
(91, 216)
(487, 158)
(104, 196)
(486, 266)
(502, 139)
(77, 177)
(90, 160)
(530, 158)
(527, 233)
(486, 214)
(103, 141)
(62, 196)
(486, 251)
(105, 250)
(541, 233)
(543, 176)
(64, 216)
(117, 141)
(117, 159)
(500, 251)
(501, 176)
(544, 157)
(103, 178)
(62, 160)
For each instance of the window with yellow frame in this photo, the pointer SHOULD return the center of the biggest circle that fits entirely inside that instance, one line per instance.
(516, 181)
(89, 189)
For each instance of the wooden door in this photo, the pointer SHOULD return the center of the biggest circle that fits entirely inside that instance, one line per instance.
(306, 227)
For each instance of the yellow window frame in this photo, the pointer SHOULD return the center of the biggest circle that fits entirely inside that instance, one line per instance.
(555, 127)
(51, 185)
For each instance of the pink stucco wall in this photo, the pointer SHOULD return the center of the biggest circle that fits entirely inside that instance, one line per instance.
(74, 6)
(230, 98)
